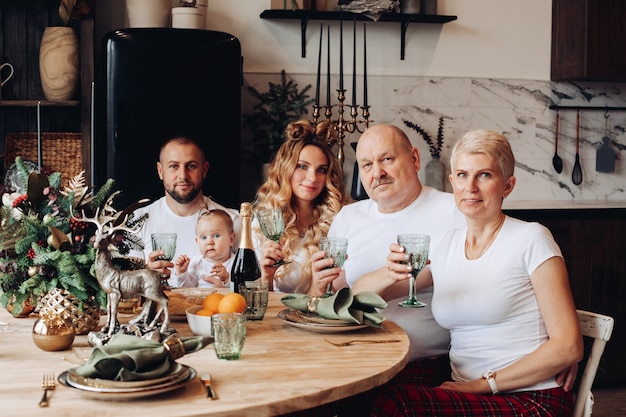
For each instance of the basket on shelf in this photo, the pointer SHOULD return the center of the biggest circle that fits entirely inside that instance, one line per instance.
(61, 151)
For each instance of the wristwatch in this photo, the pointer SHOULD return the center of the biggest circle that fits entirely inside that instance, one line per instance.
(490, 377)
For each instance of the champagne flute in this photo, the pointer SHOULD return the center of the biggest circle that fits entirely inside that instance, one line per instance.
(336, 248)
(272, 225)
(416, 246)
(167, 243)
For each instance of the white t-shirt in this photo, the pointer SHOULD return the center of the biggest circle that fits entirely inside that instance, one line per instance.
(489, 304)
(199, 266)
(163, 220)
(370, 232)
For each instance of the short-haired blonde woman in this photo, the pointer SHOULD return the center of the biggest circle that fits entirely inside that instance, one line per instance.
(501, 288)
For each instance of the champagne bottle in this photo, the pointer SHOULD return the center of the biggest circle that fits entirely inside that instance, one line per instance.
(245, 266)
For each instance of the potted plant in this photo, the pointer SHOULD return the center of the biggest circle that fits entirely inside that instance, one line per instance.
(435, 169)
(282, 104)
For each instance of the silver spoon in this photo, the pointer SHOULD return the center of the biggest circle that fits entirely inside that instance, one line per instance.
(556, 159)
(577, 173)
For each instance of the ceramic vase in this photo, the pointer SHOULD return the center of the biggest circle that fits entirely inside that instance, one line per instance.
(410, 6)
(357, 191)
(428, 7)
(59, 63)
(148, 13)
(436, 174)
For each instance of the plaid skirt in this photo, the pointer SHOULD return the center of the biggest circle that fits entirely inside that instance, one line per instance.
(413, 393)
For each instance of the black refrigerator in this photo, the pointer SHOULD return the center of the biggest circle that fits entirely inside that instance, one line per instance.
(159, 82)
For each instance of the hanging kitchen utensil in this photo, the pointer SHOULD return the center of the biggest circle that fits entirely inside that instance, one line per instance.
(557, 162)
(605, 156)
(577, 172)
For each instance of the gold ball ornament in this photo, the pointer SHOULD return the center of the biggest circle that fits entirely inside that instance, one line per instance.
(33, 270)
(53, 333)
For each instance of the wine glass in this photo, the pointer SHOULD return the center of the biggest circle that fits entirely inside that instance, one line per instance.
(336, 248)
(416, 246)
(167, 243)
(272, 225)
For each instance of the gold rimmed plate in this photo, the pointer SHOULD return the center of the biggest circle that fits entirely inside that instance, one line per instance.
(176, 373)
(315, 323)
(123, 394)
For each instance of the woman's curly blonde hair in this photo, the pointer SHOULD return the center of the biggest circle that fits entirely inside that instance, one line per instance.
(276, 190)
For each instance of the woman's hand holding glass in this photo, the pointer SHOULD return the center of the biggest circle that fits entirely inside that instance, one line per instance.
(323, 273)
(272, 225)
(336, 249)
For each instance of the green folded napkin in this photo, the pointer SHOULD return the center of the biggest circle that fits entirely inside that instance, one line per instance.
(132, 358)
(343, 305)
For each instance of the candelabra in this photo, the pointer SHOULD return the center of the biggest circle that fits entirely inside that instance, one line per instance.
(342, 125)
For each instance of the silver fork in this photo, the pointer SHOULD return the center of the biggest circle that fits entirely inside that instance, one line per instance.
(47, 385)
(352, 342)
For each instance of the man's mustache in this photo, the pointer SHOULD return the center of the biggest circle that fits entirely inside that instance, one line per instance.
(382, 181)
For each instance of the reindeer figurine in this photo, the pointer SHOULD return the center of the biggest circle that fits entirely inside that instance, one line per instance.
(119, 284)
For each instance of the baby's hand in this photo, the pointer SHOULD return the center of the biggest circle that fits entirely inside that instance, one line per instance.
(214, 279)
(220, 271)
(181, 263)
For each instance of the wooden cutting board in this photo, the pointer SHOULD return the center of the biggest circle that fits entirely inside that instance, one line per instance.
(605, 157)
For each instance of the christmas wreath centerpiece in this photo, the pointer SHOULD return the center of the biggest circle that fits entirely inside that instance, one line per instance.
(42, 248)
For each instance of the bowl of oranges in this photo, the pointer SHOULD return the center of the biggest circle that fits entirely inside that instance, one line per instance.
(199, 316)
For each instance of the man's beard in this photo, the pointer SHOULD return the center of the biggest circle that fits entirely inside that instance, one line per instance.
(183, 198)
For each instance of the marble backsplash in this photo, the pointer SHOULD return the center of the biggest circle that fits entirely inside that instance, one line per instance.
(518, 108)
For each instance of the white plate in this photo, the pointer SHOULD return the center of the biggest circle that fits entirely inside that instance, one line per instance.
(176, 373)
(130, 394)
(298, 319)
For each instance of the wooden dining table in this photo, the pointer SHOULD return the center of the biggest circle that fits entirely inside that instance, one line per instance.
(282, 369)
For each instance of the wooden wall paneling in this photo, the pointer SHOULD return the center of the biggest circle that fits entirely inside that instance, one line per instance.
(593, 244)
(22, 24)
(36, 23)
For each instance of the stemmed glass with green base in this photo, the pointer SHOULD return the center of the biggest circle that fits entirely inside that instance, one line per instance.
(416, 246)
(167, 243)
(336, 248)
(272, 225)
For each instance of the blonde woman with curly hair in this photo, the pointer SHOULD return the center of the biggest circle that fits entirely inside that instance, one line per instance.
(305, 180)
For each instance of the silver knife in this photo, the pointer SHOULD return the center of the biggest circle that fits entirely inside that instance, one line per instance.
(206, 380)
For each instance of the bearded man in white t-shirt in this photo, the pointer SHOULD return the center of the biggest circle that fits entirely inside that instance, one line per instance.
(182, 167)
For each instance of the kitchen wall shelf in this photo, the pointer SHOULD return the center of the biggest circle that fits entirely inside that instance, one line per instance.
(44, 103)
(586, 108)
(305, 15)
(23, 23)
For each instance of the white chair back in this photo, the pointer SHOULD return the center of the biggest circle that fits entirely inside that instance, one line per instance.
(599, 327)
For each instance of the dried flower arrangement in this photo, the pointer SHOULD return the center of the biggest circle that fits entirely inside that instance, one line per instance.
(74, 10)
(433, 146)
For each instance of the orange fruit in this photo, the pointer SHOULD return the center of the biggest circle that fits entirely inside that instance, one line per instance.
(232, 303)
(211, 302)
(204, 312)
